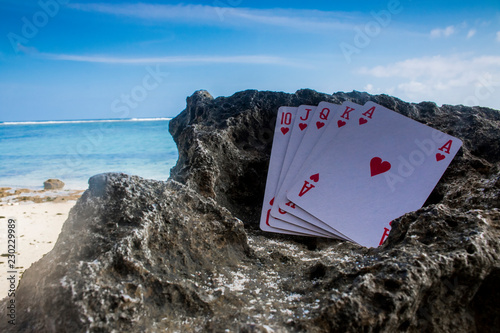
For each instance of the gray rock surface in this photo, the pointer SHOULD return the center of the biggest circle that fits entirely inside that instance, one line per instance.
(138, 255)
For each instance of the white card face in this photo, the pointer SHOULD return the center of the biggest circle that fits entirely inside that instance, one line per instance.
(282, 133)
(303, 118)
(318, 122)
(302, 121)
(383, 167)
(340, 120)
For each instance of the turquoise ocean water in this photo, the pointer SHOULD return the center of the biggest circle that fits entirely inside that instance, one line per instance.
(73, 151)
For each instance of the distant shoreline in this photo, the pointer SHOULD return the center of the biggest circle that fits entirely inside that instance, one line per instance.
(75, 150)
(80, 121)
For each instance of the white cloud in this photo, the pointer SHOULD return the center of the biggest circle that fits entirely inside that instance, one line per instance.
(446, 32)
(369, 88)
(242, 59)
(435, 67)
(413, 68)
(471, 33)
(444, 79)
(299, 19)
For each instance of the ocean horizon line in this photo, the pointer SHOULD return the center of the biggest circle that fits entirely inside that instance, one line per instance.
(79, 121)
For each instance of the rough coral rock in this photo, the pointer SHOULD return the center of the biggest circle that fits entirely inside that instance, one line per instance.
(187, 255)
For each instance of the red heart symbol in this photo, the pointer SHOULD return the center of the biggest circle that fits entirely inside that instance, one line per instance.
(314, 177)
(439, 157)
(284, 130)
(362, 121)
(377, 166)
(320, 124)
(341, 123)
(302, 126)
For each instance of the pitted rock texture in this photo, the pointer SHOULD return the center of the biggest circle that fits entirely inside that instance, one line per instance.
(186, 255)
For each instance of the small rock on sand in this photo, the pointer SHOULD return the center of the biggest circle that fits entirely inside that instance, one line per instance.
(53, 184)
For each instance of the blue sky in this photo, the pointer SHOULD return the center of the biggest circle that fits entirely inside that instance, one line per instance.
(63, 59)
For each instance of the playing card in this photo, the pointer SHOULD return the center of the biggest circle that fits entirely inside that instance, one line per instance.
(385, 166)
(319, 121)
(303, 117)
(300, 124)
(287, 210)
(282, 133)
(347, 111)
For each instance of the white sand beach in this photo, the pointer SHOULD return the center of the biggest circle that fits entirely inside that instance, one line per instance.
(38, 225)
